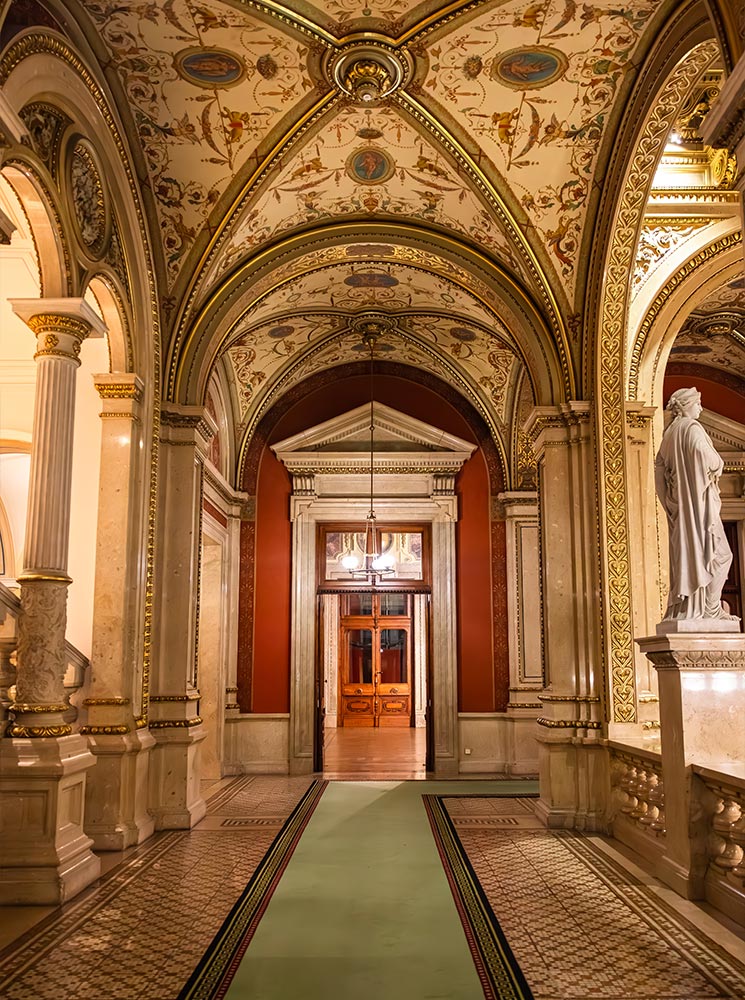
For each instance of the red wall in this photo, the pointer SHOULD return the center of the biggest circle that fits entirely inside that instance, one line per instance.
(478, 690)
(719, 398)
(475, 674)
(271, 646)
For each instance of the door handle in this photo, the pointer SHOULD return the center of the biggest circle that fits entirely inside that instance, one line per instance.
(394, 690)
(358, 691)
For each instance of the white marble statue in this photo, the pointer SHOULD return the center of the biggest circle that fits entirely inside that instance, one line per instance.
(687, 471)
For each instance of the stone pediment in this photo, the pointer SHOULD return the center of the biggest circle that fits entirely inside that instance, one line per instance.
(727, 435)
(401, 443)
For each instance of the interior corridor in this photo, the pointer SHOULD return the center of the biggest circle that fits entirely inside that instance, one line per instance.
(374, 754)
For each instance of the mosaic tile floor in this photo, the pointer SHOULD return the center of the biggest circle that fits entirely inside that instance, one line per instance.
(582, 923)
(141, 931)
(579, 923)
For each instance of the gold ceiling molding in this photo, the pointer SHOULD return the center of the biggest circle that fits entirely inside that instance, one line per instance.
(494, 199)
(53, 45)
(279, 150)
(417, 241)
(618, 638)
(708, 253)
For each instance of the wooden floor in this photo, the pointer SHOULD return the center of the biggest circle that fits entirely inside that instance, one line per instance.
(370, 754)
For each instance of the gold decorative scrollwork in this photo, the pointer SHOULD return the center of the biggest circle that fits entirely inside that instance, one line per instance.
(610, 385)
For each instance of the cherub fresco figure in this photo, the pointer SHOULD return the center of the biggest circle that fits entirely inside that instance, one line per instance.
(687, 471)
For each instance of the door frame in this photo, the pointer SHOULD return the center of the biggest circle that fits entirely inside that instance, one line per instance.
(441, 513)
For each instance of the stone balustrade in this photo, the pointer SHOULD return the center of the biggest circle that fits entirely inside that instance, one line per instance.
(721, 800)
(638, 799)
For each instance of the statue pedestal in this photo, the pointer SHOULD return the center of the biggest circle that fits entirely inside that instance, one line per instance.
(702, 707)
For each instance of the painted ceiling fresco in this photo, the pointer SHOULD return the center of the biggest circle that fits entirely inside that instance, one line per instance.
(534, 85)
(713, 336)
(360, 286)
(365, 162)
(206, 83)
(211, 85)
(291, 350)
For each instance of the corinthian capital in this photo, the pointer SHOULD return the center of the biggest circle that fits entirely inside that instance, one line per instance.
(59, 325)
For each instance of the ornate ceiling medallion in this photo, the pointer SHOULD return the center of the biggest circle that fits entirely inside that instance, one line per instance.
(369, 73)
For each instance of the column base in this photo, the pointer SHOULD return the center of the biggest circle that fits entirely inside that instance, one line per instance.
(574, 783)
(45, 856)
(176, 801)
(116, 806)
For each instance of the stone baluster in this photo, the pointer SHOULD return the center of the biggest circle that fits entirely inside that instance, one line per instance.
(629, 787)
(652, 811)
(641, 790)
(725, 852)
(45, 856)
(8, 643)
(657, 826)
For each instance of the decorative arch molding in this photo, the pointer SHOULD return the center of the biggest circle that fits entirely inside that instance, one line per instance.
(194, 348)
(705, 270)
(607, 347)
(35, 193)
(250, 450)
(25, 75)
(250, 455)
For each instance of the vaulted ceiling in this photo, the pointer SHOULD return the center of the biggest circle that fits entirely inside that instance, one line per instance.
(288, 196)
(491, 134)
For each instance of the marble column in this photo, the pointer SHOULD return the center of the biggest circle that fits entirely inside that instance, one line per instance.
(524, 628)
(116, 810)
(572, 765)
(702, 707)
(45, 854)
(175, 797)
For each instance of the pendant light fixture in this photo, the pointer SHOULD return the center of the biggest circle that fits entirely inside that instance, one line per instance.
(375, 564)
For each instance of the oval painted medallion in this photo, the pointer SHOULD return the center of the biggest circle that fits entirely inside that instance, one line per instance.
(530, 67)
(209, 67)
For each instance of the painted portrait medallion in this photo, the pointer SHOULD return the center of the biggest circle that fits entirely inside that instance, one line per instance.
(370, 166)
(279, 332)
(529, 68)
(209, 67)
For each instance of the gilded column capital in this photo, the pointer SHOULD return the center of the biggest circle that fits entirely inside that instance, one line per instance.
(119, 385)
(59, 325)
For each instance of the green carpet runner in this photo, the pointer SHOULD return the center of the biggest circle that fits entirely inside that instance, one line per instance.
(364, 909)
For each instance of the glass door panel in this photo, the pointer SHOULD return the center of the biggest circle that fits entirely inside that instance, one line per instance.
(393, 667)
(360, 658)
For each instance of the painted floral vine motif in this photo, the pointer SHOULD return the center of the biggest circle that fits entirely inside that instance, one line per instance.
(206, 84)
(540, 108)
(366, 162)
(259, 354)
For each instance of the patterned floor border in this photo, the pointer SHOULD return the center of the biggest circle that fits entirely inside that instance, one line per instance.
(498, 971)
(497, 966)
(217, 967)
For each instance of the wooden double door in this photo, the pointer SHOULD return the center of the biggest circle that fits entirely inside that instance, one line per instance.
(375, 660)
